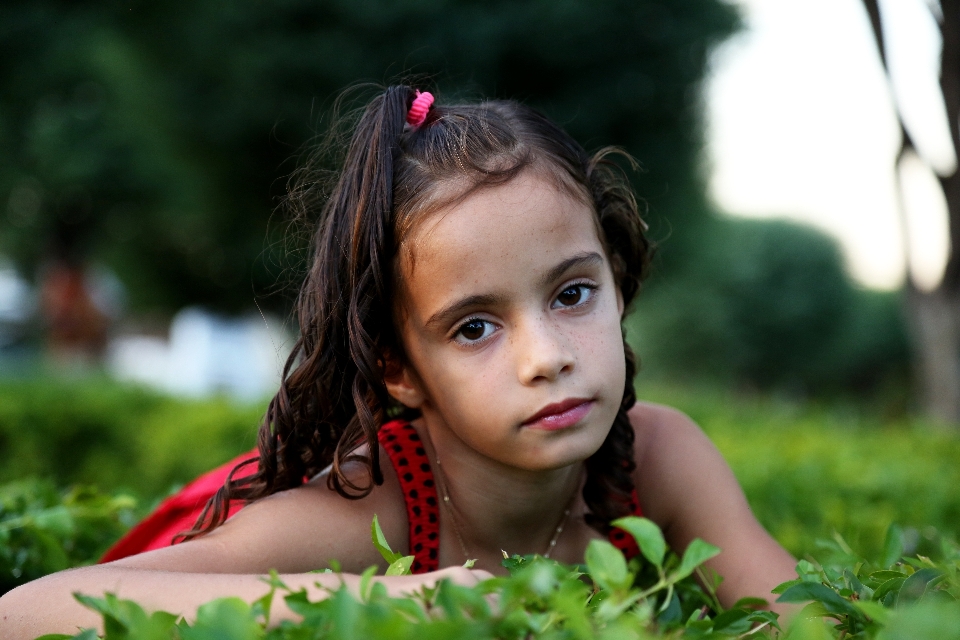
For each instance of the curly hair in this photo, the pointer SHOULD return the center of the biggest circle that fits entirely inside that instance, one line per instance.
(333, 397)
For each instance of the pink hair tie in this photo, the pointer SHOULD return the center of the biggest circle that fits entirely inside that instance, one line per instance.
(418, 110)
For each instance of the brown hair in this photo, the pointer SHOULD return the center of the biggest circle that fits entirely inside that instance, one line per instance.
(333, 397)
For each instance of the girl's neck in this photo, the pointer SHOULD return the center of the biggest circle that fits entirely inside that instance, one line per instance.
(498, 506)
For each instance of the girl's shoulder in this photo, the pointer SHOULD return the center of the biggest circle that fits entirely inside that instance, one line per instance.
(296, 531)
(687, 488)
(665, 438)
(679, 470)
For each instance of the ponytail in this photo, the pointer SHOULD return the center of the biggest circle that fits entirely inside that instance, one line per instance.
(332, 397)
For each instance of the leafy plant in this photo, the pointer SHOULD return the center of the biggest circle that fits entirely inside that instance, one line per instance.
(43, 530)
(652, 597)
(883, 598)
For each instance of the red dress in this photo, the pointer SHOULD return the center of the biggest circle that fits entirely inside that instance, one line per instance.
(405, 450)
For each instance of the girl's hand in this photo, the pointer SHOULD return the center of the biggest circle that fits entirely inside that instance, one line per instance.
(401, 585)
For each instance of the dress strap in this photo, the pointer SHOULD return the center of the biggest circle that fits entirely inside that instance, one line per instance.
(620, 538)
(406, 451)
(409, 457)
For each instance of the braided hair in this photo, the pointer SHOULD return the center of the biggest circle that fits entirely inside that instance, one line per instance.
(333, 398)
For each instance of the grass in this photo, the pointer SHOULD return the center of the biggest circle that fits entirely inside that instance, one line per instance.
(808, 468)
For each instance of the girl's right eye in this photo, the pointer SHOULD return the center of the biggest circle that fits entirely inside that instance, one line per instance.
(473, 331)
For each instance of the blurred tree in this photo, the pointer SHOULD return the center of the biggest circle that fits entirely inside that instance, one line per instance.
(153, 136)
(769, 305)
(935, 315)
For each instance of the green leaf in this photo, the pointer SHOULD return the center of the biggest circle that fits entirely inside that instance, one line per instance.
(56, 520)
(607, 566)
(873, 610)
(224, 618)
(780, 588)
(829, 598)
(892, 546)
(400, 566)
(59, 636)
(886, 574)
(380, 542)
(514, 563)
(365, 579)
(923, 620)
(748, 602)
(648, 536)
(889, 586)
(733, 622)
(810, 627)
(916, 585)
(696, 554)
(769, 617)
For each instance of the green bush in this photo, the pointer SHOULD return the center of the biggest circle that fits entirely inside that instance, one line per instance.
(807, 468)
(768, 304)
(43, 530)
(653, 596)
(811, 469)
(98, 432)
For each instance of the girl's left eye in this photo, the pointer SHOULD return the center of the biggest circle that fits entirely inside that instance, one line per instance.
(574, 295)
(473, 331)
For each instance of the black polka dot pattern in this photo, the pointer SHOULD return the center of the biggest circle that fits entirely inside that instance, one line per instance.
(405, 449)
(402, 444)
(623, 540)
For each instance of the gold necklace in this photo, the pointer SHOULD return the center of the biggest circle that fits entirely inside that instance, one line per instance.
(456, 527)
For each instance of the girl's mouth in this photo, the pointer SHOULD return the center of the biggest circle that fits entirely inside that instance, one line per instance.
(560, 415)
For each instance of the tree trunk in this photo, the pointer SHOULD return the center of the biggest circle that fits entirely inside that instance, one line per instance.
(939, 312)
(934, 317)
(935, 331)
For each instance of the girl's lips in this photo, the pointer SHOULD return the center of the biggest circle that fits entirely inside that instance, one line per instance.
(560, 415)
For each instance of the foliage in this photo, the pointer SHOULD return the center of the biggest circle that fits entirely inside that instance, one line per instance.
(43, 530)
(894, 597)
(98, 432)
(811, 468)
(807, 468)
(655, 597)
(153, 136)
(768, 304)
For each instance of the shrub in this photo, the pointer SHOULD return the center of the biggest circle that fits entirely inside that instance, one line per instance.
(768, 304)
(809, 469)
(98, 432)
(652, 597)
(43, 530)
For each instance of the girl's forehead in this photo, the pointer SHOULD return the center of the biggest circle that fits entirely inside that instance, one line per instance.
(496, 233)
(517, 201)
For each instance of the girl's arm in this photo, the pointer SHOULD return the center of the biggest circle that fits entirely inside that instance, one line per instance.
(293, 532)
(47, 605)
(687, 488)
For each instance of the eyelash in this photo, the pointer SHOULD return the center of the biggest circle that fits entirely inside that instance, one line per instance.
(588, 286)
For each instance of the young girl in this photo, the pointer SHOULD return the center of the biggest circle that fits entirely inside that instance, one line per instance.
(461, 373)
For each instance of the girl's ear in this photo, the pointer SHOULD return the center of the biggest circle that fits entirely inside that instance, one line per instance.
(619, 302)
(402, 383)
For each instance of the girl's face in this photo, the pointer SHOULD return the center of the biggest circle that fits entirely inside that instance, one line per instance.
(510, 320)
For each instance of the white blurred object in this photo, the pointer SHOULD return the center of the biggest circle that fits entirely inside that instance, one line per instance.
(206, 355)
(18, 304)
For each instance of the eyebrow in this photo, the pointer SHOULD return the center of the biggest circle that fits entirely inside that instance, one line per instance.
(440, 318)
(585, 259)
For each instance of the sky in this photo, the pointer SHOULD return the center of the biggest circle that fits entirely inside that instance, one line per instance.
(802, 124)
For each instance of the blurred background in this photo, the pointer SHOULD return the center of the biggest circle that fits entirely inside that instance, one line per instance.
(799, 174)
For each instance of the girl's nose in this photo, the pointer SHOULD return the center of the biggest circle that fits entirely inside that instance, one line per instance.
(543, 353)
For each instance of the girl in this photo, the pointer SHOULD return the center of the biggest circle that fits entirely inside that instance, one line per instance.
(471, 269)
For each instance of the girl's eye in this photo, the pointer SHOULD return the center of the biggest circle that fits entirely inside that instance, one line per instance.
(473, 331)
(574, 295)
